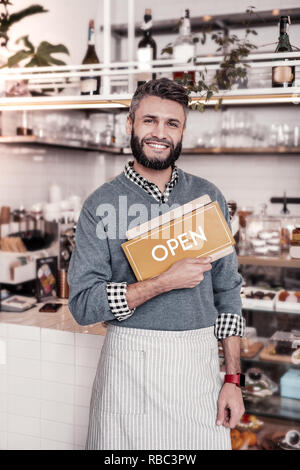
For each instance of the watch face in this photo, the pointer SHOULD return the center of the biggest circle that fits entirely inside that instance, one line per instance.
(242, 380)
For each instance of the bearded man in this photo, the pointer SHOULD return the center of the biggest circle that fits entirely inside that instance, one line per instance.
(158, 383)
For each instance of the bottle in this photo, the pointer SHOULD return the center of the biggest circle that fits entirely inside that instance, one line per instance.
(90, 85)
(283, 75)
(108, 138)
(146, 51)
(184, 48)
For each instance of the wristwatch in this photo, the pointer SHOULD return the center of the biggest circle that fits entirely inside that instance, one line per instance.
(237, 379)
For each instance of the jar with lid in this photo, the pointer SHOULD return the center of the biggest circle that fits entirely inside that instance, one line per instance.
(295, 242)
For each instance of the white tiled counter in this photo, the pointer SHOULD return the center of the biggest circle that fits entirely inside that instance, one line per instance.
(47, 367)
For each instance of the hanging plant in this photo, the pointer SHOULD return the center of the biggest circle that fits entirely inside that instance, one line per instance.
(7, 20)
(232, 70)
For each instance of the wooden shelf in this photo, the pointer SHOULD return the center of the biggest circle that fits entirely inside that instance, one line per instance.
(280, 262)
(242, 150)
(127, 151)
(253, 97)
(215, 22)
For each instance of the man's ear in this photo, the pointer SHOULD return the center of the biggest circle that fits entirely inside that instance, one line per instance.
(129, 125)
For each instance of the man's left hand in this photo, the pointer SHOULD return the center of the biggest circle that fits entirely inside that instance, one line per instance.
(230, 406)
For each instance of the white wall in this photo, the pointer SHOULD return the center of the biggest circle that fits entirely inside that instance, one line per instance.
(25, 174)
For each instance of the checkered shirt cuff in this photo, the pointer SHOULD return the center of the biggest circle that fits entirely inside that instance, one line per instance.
(116, 294)
(229, 324)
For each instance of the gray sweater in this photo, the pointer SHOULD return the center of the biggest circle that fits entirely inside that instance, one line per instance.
(99, 258)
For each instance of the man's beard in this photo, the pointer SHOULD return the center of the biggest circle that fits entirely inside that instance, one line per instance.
(154, 163)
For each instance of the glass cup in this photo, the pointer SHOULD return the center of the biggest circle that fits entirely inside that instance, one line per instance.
(243, 213)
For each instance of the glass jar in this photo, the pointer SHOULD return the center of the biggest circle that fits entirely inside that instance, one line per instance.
(295, 243)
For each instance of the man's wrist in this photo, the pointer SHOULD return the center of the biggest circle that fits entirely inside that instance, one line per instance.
(236, 379)
(161, 283)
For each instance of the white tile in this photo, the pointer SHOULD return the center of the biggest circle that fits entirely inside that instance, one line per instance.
(3, 383)
(60, 432)
(3, 351)
(61, 353)
(89, 341)
(83, 395)
(3, 421)
(59, 412)
(24, 406)
(3, 402)
(24, 332)
(87, 356)
(55, 391)
(24, 367)
(80, 435)
(84, 376)
(46, 444)
(3, 440)
(3, 370)
(55, 372)
(24, 386)
(57, 336)
(3, 329)
(82, 415)
(23, 425)
(24, 348)
(21, 442)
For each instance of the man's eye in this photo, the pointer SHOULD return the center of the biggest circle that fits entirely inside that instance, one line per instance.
(173, 124)
(148, 120)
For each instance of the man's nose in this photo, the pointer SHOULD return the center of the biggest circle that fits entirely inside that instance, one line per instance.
(159, 131)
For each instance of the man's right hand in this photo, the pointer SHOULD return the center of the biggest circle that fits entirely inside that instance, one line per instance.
(185, 273)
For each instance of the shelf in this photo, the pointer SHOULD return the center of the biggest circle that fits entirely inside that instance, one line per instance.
(229, 97)
(242, 150)
(216, 22)
(280, 262)
(127, 151)
(275, 407)
(264, 310)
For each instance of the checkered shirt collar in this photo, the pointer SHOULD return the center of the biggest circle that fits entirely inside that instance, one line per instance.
(136, 178)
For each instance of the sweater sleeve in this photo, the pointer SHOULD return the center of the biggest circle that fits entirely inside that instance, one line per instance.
(89, 271)
(226, 279)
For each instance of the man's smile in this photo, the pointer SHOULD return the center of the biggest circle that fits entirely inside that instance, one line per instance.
(157, 145)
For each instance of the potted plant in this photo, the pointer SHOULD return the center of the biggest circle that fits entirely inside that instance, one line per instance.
(29, 55)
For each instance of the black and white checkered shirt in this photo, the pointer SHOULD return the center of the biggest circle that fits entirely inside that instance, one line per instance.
(227, 324)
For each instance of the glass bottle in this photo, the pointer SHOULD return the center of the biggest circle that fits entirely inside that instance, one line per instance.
(184, 49)
(283, 75)
(146, 51)
(90, 85)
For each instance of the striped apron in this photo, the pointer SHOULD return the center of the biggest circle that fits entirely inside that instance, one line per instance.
(157, 390)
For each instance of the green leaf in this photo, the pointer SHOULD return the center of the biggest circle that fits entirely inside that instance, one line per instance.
(44, 53)
(32, 10)
(209, 94)
(26, 42)
(18, 57)
(200, 107)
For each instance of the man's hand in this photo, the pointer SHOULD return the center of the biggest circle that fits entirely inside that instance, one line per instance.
(186, 273)
(230, 406)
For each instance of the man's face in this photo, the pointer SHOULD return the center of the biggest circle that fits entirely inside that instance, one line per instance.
(157, 132)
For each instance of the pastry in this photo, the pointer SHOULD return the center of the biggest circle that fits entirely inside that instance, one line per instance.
(249, 422)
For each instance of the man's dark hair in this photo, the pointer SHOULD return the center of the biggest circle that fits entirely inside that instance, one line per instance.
(163, 88)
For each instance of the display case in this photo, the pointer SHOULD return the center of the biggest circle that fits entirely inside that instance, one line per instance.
(270, 355)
